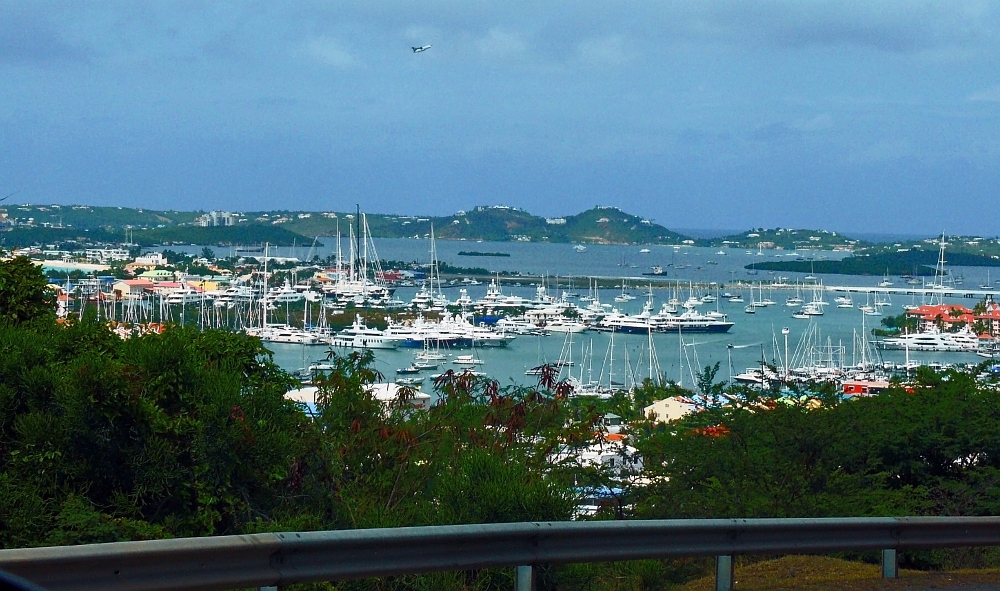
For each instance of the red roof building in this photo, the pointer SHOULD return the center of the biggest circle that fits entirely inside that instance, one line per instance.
(948, 314)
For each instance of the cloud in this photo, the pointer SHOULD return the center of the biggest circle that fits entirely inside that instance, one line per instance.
(990, 95)
(883, 151)
(609, 51)
(896, 26)
(331, 52)
(821, 122)
(31, 37)
(499, 43)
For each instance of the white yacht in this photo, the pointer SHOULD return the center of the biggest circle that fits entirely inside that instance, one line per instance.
(466, 360)
(236, 294)
(283, 333)
(692, 321)
(933, 339)
(184, 295)
(285, 294)
(564, 325)
(360, 336)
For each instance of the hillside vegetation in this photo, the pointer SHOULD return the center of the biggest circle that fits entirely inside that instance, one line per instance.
(913, 262)
(787, 239)
(187, 433)
(605, 225)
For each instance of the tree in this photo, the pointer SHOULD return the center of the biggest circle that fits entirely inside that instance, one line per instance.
(174, 434)
(25, 295)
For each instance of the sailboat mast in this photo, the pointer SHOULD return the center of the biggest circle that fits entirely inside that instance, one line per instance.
(364, 273)
(340, 254)
(263, 298)
(357, 239)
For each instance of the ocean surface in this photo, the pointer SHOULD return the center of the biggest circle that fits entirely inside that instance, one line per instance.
(622, 358)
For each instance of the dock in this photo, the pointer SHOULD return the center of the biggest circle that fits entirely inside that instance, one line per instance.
(943, 292)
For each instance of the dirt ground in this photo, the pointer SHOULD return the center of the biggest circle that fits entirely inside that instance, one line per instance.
(819, 573)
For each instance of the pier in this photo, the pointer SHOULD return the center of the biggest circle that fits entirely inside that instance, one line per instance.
(946, 292)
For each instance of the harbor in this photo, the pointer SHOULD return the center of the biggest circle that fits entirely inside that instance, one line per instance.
(608, 316)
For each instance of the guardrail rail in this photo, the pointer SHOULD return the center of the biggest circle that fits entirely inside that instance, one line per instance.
(280, 559)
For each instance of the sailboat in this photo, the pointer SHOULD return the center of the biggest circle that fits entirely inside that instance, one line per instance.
(624, 297)
(844, 301)
(812, 270)
(750, 308)
(795, 300)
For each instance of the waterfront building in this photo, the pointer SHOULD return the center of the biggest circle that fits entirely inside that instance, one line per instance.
(130, 289)
(669, 409)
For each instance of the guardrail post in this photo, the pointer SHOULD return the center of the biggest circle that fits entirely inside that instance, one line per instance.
(890, 564)
(724, 573)
(524, 578)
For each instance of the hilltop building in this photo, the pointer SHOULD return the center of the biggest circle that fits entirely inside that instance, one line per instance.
(216, 218)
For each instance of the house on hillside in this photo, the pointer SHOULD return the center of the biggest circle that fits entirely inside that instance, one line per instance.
(670, 409)
(129, 289)
(947, 315)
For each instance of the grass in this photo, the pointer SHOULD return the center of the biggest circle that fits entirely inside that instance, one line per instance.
(821, 573)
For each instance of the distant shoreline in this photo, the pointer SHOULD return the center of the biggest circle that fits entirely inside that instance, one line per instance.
(476, 253)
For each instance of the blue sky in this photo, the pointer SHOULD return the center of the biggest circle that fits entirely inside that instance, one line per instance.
(866, 116)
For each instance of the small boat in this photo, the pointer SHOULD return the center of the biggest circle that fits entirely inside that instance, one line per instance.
(429, 355)
(644, 251)
(465, 371)
(408, 370)
(580, 248)
(466, 360)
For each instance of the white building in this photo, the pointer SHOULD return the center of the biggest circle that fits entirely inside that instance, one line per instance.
(215, 218)
(670, 409)
(105, 255)
(152, 259)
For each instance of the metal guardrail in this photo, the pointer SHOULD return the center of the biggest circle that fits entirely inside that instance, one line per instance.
(280, 559)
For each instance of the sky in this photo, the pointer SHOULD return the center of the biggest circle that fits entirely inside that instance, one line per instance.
(842, 115)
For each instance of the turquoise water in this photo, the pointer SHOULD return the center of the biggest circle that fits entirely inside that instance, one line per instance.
(562, 264)
(753, 335)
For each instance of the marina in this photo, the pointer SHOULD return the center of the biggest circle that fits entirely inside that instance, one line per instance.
(614, 326)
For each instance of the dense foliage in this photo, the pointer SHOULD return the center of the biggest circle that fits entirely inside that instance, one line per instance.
(911, 262)
(188, 433)
(25, 295)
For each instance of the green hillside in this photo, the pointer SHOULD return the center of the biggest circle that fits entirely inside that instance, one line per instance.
(892, 263)
(786, 238)
(220, 236)
(607, 225)
(86, 217)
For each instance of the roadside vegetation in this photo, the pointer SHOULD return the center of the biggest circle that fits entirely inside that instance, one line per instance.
(188, 433)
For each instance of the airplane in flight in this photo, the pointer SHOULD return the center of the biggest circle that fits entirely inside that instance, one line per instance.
(419, 49)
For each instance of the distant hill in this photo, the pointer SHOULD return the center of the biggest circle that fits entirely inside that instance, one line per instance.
(914, 262)
(86, 217)
(788, 239)
(27, 224)
(604, 225)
